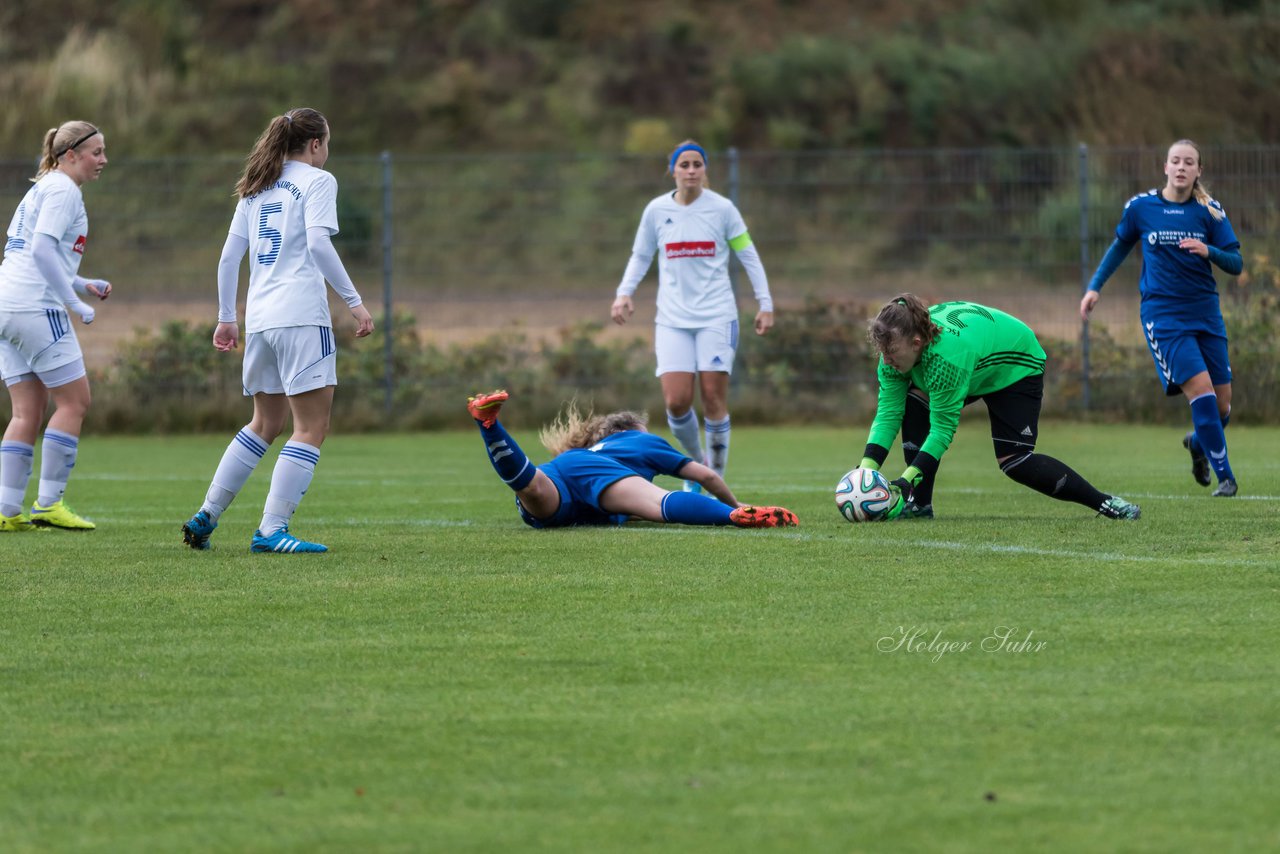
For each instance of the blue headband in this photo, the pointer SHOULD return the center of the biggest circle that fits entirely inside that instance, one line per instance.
(675, 155)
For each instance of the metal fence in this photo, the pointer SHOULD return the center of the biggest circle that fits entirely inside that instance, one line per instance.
(471, 245)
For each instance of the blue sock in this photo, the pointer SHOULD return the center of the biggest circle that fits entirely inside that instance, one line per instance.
(1194, 444)
(508, 460)
(687, 508)
(1204, 415)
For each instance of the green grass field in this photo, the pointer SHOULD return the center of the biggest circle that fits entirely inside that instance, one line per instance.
(446, 679)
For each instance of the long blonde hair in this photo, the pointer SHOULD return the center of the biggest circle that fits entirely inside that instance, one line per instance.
(58, 141)
(573, 429)
(285, 135)
(1199, 190)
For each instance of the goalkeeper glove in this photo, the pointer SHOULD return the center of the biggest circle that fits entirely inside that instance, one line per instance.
(907, 484)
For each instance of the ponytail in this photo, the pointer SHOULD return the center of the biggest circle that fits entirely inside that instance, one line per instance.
(903, 317)
(285, 135)
(1201, 195)
(58, 141)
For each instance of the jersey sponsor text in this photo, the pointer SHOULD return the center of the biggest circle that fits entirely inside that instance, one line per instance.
(691, 249)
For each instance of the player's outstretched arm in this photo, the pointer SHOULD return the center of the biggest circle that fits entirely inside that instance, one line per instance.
(710, 481)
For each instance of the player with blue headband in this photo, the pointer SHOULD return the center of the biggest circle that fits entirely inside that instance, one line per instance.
(696, 336)
(681, 149)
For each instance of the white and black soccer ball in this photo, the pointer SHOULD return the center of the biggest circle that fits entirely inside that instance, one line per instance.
(863, 495)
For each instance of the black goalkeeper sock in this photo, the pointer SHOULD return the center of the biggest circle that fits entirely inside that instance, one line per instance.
(915, 426)
(1053, 478)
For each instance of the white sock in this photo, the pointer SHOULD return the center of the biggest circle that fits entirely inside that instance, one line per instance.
(57, 459)
(685, 429)
(17, 459)
(238, 462)
(295, 467)
(718, 444)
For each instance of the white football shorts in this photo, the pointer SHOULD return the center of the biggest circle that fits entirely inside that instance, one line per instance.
(710, 348)
(290, 360)
(40, 343)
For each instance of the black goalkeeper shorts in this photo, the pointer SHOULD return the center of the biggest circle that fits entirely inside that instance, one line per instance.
(1015, 415)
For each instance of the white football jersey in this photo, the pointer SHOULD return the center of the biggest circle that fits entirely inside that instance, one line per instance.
(55, 206)
(285, 286)
(692, 242)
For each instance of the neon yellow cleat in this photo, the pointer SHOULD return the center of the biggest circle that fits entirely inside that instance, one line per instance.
(16, 524)
(59, 515)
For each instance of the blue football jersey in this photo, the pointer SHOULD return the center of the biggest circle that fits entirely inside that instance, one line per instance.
(1179, 280)
(644, 453)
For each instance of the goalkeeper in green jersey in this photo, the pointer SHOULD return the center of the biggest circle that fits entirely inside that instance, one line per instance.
(934, 361)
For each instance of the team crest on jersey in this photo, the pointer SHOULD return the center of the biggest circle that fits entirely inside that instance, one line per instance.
(692, 249)
(78, 246)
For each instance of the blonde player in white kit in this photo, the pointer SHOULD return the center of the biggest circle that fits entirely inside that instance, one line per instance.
(285, 218)
(39, 354)
(692, 230)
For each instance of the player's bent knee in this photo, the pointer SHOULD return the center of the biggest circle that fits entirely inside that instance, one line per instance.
(1009, 463)
(540, 498)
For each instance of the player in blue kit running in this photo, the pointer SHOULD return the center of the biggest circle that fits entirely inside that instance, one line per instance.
(1183, 231)
(603, 473)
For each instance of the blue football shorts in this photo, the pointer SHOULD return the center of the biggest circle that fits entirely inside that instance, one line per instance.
(1180, 353)
(580, 476)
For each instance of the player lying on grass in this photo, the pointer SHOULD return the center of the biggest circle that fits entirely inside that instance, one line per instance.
(934, 361)
(602, 474)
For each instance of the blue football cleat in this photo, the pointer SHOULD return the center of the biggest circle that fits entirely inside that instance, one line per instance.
(196, 531)
(282, 542)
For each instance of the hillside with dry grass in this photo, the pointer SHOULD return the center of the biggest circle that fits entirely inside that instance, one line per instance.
(174, 76)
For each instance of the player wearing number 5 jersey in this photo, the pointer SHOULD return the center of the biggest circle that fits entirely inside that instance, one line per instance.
(692, 230)
(285, 218)
(39, 355)
(936, 360)
(1183, 231)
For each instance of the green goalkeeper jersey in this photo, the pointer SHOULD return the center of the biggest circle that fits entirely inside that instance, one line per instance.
(980, 350)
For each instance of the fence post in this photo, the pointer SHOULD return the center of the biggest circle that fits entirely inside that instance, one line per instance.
(388, 318)
(1084, 271)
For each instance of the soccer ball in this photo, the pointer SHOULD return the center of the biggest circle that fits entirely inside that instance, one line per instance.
(863, 495)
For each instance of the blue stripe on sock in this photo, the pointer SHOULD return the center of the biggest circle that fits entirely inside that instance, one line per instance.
(22, 449)
(251, 443)
(64, 439)
(298, 452)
